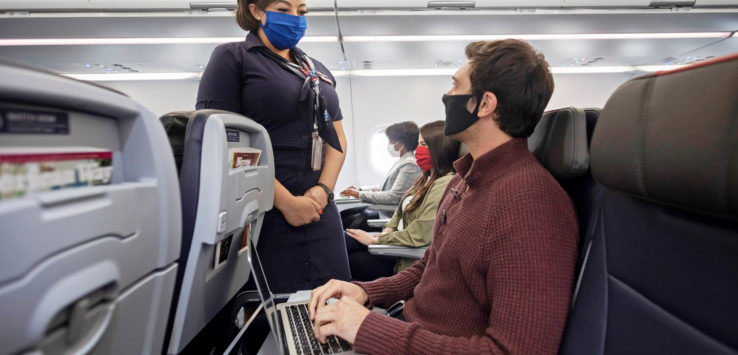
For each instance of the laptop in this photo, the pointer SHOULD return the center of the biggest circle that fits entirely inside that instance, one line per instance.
(290, 322)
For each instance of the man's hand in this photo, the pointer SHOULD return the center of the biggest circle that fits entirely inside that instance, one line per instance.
(352, 191)
(363, 237)
(387, 230)
(301, 211)
(342, 318)
(334, 289)
(317, 194)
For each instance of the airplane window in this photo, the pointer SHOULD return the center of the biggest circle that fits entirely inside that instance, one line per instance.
(379, 159)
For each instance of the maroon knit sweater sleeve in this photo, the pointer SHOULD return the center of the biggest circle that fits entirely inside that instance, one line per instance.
(529, 260)
(385, 291)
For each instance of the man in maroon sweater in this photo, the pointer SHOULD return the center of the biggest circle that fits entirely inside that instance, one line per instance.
(498, 276)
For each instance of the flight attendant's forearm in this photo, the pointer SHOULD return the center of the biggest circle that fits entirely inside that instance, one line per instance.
(334, 159)
(282, 196)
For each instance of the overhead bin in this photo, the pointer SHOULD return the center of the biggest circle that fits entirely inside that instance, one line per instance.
(140, 4)
(320, 5)
(716, 3)
(213, 4)
(514, 4)
(58, 5)
(609, 3)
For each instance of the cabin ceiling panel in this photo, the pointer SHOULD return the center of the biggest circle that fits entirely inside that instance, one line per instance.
(147, 57)
(559, 52)
(485, 23)
(720, 48)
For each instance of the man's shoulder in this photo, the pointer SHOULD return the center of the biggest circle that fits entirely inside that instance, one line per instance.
(527, 178)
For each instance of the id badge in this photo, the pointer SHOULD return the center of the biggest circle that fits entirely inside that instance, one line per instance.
(317, 156)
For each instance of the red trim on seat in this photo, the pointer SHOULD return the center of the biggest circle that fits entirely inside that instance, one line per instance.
(726, 58)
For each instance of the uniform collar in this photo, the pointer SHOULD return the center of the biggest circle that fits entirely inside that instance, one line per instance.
(492, 164)
(253, 41)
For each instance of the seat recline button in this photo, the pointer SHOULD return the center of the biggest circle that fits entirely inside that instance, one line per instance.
(222, 221)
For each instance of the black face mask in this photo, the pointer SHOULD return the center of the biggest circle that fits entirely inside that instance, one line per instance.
(457, 117)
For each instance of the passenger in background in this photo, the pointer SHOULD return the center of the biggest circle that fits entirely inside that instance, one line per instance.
(412, 223)
(498, 277)
(403, 138)
(268, 79)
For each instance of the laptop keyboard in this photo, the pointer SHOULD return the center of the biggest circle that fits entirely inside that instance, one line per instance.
(304, 337)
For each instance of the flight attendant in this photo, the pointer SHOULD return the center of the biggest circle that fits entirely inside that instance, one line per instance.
(268, 79)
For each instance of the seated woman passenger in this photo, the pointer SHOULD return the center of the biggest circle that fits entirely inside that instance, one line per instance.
(412, 223)
(403, 138)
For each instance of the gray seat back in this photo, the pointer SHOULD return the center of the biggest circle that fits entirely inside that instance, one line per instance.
(220, 203)
(87, 263)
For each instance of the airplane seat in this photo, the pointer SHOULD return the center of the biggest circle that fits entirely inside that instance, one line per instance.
(90, 215)
(226, 187)
(591, 113)
(560, 141)
(175, 124)
(662, 276)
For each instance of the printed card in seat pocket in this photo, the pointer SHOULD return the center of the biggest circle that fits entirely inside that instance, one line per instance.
(240, 157)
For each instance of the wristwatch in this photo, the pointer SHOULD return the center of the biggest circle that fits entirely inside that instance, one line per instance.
(327, 190)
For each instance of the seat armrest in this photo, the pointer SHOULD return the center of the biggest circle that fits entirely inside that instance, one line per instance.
(379, 223)
(384, 208)
(398, 251)
(346, 200)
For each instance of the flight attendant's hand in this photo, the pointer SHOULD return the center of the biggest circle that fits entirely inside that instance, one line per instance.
(363, 237)
(317, 194)
(387, 230)
(352, 191)
(301, 211)
(342, 318)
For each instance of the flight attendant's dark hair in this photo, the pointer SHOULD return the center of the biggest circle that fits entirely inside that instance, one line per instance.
(444, 151)
(243, 16)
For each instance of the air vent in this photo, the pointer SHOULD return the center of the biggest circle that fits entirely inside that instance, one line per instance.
(582, 61)
(367, 64)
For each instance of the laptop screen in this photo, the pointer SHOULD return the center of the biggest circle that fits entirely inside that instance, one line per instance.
(267, 298)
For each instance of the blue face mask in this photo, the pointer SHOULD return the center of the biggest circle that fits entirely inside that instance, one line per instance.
(284, 30)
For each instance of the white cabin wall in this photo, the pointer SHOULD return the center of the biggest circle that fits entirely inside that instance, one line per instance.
(160, 97)
(387, 100)
(369, 102)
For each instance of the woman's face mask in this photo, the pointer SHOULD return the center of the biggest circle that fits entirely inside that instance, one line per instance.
(392, 151)
(284, 30)
(423, 158)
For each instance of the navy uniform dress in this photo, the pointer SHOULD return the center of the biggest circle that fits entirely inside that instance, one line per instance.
(241, 78)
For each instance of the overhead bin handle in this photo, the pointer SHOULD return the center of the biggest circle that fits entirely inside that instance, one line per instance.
(229, 5)
(433, 4)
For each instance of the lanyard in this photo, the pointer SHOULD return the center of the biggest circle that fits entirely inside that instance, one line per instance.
(306, 71)
(323, 129)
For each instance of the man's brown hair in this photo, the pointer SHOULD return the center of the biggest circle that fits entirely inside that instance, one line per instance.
(243, 15)
(519, 77)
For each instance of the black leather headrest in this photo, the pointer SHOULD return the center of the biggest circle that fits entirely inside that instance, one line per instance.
(672, 138)
(175, 124)
(559, 141)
